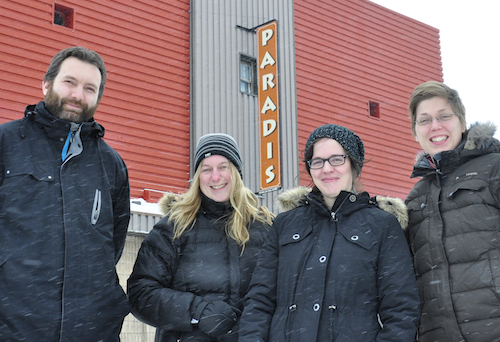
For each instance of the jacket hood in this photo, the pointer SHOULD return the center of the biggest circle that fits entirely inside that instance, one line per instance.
(296, 197)
(167, 202)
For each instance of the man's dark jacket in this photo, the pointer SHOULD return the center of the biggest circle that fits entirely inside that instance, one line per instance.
(62, 231)
(454, 232)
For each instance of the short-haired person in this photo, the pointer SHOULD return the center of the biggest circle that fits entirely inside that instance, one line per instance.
(194, 267)
(64, 212)
(335, 266)
(454, 219)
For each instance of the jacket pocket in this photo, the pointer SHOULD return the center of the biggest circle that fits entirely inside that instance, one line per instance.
(96, 207)
(362, 239)
(469, 191)
(417, 209)
(277, 329)
(295, 235)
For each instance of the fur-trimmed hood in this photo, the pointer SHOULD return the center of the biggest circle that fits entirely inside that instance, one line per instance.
(167, 202)
(294, 198)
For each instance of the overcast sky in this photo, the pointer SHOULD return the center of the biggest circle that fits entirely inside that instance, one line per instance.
(470, 49)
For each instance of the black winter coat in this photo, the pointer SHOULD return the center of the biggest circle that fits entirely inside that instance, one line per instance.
(62, 230)
(169, 274)
(332, 275)
(454, 232)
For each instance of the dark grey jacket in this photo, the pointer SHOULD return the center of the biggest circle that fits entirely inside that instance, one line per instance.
(62, 230)
(454, 232)
(331, 275)
(169, 274)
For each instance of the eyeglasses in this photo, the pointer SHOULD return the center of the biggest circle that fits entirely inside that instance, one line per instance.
(335, 160)
(424, 121)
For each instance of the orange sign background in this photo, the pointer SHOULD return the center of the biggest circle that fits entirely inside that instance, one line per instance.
(269, 144)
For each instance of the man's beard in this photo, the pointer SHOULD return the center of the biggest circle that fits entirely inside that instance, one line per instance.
(55, 105)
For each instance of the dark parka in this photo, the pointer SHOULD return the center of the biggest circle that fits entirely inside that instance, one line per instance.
(169, 274)
(325, 275)
(62, 230)
(454, 232)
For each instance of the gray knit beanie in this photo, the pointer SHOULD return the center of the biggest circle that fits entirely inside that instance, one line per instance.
(218, 144)
(345, 137)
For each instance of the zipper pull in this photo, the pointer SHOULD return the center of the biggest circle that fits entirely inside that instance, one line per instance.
(334, 216)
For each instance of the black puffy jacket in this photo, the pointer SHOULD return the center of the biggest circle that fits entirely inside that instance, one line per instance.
(332, 275)
(62, 230)
(169, 274)
(454, 232)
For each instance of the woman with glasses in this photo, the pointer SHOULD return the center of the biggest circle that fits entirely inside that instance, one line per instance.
(454, 219)
(335, 266)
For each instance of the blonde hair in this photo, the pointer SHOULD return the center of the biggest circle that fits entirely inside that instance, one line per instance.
(243, 201)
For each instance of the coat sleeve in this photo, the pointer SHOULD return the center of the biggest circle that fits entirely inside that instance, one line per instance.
(121, 209)
(149, 286)
(399, 301)
(260, 301)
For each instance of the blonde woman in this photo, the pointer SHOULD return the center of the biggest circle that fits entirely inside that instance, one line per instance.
(194, 267)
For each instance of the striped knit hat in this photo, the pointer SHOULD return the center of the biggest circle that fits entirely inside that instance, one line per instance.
(218, 144)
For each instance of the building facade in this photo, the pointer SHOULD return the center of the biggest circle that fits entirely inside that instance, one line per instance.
(178, 69)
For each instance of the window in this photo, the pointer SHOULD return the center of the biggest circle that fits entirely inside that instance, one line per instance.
(248, 75)
(63, 16)
(374, 109)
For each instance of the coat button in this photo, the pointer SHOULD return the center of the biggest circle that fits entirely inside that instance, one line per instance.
(352, 198)
(354, 238)
(296, 236)
(316, 307)
(322, 258)
(49, 177)
(8, 172)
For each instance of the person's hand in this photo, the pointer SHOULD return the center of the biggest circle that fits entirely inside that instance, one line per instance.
(216, 318)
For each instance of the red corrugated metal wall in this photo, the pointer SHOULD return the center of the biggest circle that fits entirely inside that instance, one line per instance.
(349, 53)
(145, 45)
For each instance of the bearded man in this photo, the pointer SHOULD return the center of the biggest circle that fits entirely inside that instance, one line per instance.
(64, 212)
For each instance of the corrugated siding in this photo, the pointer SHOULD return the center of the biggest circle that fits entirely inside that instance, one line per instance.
(217, 104)
(145, 107)
(349, 53)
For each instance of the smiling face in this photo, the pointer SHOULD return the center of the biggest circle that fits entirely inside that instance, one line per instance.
(73, 94)
(331, 180)
(215, 178)
(437, 136)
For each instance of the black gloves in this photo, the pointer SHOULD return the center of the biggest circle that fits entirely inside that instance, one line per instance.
(213, 318)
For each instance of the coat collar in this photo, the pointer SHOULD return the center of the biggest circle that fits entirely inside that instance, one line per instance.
(55, 127)
(301, 196)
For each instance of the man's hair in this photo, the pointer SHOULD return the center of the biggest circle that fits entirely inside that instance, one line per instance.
(432, 89)
(84, 55)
